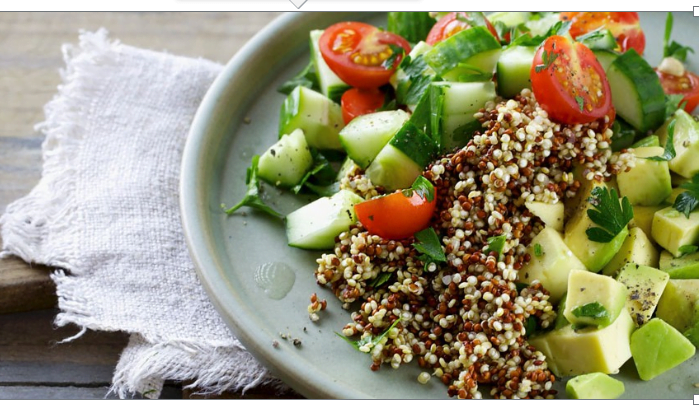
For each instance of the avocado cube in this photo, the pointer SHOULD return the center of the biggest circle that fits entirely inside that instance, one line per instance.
(594, 386)
(692, 333)
(643, 219)
(593, 299)
(657, 347)
(594, 255)
(686, 139)
(654, 177)
(550, 264)
(678, 304)
(637, 248)
(561, 320)
(573, 352)
(645, 286)
(550, 214)
(684, 267)
(672, 229)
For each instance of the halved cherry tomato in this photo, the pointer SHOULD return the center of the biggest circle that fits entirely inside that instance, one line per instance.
(452, 24)
(569, 83)
(356, 102)
(687, 85)
(356, 52)
(624, 26)
(395, 216)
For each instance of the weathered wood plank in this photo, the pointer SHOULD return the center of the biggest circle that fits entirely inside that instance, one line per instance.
(29, 392)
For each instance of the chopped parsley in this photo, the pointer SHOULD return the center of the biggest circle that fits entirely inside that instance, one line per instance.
(547, 59)
(669, 152)
(323, 174)
(611, 216)
(673, 102)
(369, 340)
(538, 251)
(591, 310)
(380, 280)
(411, 89)
(397, 53)
(422, 187)
(427, 243)
(560, 28)
(580, 101)
(252, 196)
(688, 249)
(688, 201)
(672, 48)
(307, 78)
(497, 244)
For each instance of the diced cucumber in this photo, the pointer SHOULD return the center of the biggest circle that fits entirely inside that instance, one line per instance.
(319, 117)
(412, 26)
(285, 163)
(365, 136)
(605, 57)
(598, 40)
(453, 106)
(330, 84)
(402, 159)
(471, 51)
(315, 226)
(509, 19)
(649, 141)
(542, 23)
(637, 94)
(513, 70)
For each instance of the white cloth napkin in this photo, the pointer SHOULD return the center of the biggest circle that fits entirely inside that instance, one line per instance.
(105, 215)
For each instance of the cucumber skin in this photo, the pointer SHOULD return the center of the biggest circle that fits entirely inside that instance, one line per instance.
(317, 136)
(415, 144)
(649, 93)
(447, 54)
(412, 26)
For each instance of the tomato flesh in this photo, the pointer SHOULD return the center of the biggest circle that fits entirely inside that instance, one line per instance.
(569, 83)
(452, 24)
(356, 53)
(687, 85)
(625, 26)
(395, 216)
(356, 102)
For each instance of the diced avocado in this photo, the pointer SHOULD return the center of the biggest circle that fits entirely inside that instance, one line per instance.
(643, 219)
(594, 386)
(678, 303)
(593, 299)
(655, 177)
(572, 352)
(683, 267)
(318, 116)
(686, 139)
(692, 333)
(561, 320)
(550, 214)
(637, 248)
(314, 226)
(287, 161)
(551, 263)
(671, 229)
(657, 347)
(645, 286)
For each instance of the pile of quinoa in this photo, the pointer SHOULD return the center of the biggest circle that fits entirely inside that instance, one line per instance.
(465, 321)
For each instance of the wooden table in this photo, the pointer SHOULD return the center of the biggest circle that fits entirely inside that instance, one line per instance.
(32, 362)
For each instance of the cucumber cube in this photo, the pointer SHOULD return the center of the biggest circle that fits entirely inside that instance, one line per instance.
(287, 161)
(657, 347)
(365, 136)
(317, 115)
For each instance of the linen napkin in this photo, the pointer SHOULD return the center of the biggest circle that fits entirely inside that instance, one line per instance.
(105, 215)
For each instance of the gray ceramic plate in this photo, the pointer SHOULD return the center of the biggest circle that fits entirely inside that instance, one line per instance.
(228, 250)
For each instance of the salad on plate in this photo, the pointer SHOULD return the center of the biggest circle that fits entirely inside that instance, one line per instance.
(504, 200)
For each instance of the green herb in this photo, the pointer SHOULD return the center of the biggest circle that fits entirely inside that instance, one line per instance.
(380, 280)
(672, 48)
(669, 152)
(560, 28)
(521, 286)
(580, 101)
(688, 249)
(611, 216)
(688, 201)
(538, 251)
(413, 86)
(397, 53)
(472, 19)
(373, 340)
(673, 102)
(427, 243)
(307, 78)
(321, 171)
(591, 310)
(531, 326)
(388, 105)
(497, 244)
(252, 196)
(589, 36)
(548, 59)
(422, 187)
(623, 135)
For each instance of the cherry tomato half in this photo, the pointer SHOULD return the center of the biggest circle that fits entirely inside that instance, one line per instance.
(569, 83)
(624, 26)
(452, 24)
(356, 53)
(395, 216)
(356, 102)
(687, 85)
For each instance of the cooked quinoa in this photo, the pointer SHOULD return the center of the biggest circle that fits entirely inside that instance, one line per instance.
(465, 321)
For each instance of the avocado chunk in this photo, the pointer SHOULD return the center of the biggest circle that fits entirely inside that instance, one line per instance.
(594, 255)
(686, 139)
(648, 182)
(550, 264)
(671, 229)
(550, 214)
(657, 347)
(573, 352)
(678, 304)
(287, 161)
(561, 320)
(643, 219)
(637, 248)
(684, 267)
(645, 286)
(594, 386)
(593, 299)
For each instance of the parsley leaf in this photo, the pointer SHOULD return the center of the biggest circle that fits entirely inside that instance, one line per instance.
(560, 28)
(591, 310)
(672, 48)
(252, 196)
(688, 249)
(497, 244)
(548, 59)
(427, 243)
(538, 251)
(380, 280)
(321, 171)
(611, 216)
(373, 340)
(580, 101)
(673, 102)
(418, 79)
(397, 53)
(307, 78)
(688, 201)
(669, 152)
(422, 187)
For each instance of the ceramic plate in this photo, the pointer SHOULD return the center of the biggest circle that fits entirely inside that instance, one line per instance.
(238, 119)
